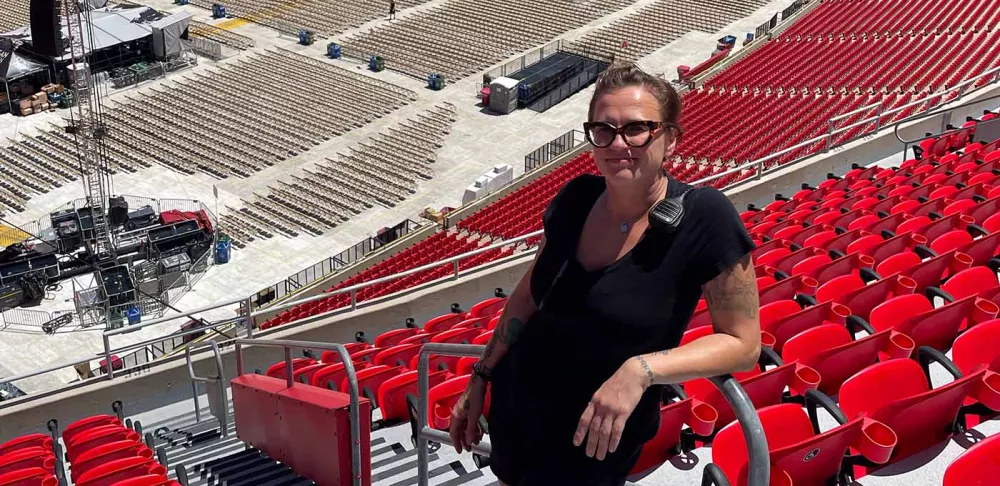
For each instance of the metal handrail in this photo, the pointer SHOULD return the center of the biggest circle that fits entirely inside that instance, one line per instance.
(758, 474)
(224, 419)
(935, 113)
(352, 382)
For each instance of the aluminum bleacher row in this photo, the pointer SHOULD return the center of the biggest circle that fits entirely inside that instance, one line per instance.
(322, 18)
(201, 124)
(15, 14)
(222, 36)
(891, 67)
(382, 170)
(658, 23)
(451, 39)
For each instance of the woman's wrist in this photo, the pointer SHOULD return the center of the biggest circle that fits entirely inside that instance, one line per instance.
(642, 371)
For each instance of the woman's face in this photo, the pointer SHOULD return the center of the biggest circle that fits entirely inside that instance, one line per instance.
(619, 162)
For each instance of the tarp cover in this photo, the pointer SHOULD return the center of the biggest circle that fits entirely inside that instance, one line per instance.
(20, 67)
(113, 26)
(167, 34)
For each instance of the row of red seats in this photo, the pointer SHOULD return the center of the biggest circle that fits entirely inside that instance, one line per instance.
(437, 247)
(845, 17)
(101, 450)
(809, 328)
(922, 63)
(885, 70)
(387, 367)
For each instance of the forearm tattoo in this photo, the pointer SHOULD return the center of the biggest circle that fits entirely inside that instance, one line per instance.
(506, 333)
(646, 368)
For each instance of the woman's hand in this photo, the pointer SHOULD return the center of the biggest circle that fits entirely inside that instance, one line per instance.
(604, 419)
(465, 430)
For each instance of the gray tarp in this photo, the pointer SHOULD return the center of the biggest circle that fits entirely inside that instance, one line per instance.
(20, 67)
(167, 34)
(111, 28)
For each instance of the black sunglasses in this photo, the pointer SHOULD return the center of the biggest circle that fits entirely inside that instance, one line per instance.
(634, 134)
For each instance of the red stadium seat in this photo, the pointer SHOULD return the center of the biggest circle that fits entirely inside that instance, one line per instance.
(112, 472)
(85, 424)
(32, 457)
(331, 377)
(916, 317)
(34, 476)
(977, 466)
(392, 394)
(277, 370)
(831, 350)
(800, 454)
(785, 318)
(107, 453)
(764, 389)
(98, 436)
(26, 441)
(897, 393)
(667, 441)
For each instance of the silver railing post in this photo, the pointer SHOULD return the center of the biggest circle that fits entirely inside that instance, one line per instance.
(759, 471)
(352, 383)
(424, 432)
(107, 356)
(455, 265)
(248, 305)
(221, 408)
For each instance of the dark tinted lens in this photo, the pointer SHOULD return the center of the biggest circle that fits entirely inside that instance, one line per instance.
(601, 135)
(636, 133)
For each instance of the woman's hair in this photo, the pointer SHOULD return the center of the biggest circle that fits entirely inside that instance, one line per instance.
(624, 74)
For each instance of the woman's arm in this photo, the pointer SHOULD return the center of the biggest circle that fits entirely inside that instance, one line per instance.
(464, 430)
(733, 303)
(519, 307)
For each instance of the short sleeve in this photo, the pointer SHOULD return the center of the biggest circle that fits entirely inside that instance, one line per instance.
(569, 208)
(717, 237)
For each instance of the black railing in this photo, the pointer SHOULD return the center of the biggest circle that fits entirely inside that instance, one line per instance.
(560, 145)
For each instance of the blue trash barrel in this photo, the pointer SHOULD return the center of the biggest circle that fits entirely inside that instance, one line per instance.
(134, 315)
(223, 251)
(333, 50)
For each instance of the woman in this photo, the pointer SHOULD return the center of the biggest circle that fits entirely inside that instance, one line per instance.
(591, 331)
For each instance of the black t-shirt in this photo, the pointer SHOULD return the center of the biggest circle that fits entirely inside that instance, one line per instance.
(592, 321)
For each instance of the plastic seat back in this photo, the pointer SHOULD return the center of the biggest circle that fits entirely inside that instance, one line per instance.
(852, 292)
(98, 436)
(391, 338)
(897, 393)
(277, 370)
(977, 466)
(392, 394)
(935, 327)
(331, 357)
(983, 249)
(331, 376)
(971, 282)
(785, 327)
(443, 322)
(72, 430)
(488, 307)
(796, 450)
(26, 441)
(32, 476)
(787, 289)
(370, 379)
(30, 457)
(830, 350)
(764, 389)
(109, 473)
(977, 347)
(399, 355)
(107, 453)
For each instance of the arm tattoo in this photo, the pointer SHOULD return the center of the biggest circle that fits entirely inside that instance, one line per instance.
(506, 333)
(645, 367)
(735, 290)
